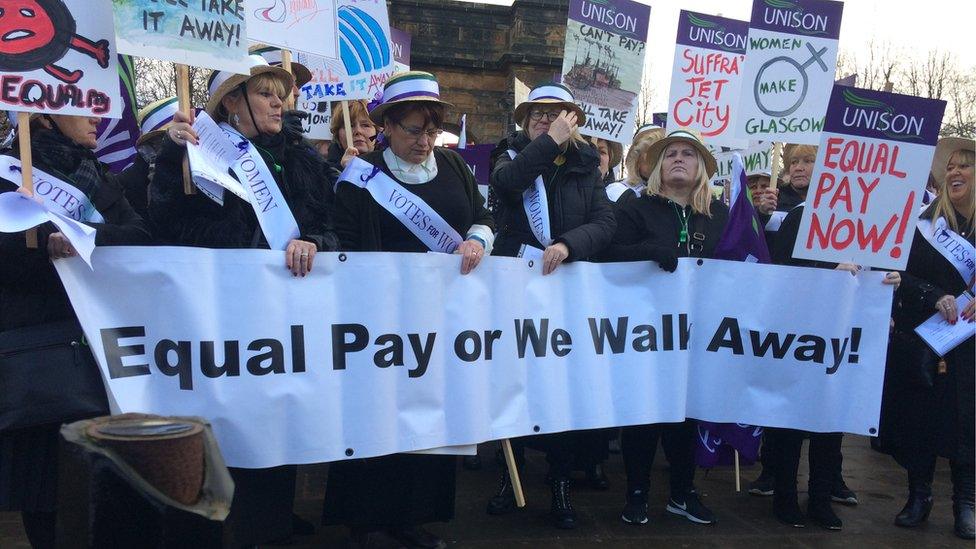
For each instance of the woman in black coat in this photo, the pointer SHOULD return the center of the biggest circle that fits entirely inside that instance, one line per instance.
(386, 501)
(675, 216)
(553, 205)
(249, 109)
(31, 294)
(928, 404)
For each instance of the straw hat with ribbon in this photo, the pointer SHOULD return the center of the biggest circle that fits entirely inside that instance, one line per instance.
(691, 137)
(154, 118)
(272, 55)
(648, 131)
(549, 95)
(221, 83)
(403, 87)
(943, 150)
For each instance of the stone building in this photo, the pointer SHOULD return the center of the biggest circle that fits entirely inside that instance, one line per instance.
(486, 57)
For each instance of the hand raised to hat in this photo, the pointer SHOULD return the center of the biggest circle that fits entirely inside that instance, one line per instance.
(181, 132)
(561, 129)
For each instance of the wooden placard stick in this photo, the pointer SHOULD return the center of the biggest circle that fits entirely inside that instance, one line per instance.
(286, 64)
(738, 471)
(512, 470)
(26, 168)
(183, 97)
(774, 165)
(347, 124)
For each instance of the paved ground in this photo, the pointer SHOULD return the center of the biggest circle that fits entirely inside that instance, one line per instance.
(744, 521)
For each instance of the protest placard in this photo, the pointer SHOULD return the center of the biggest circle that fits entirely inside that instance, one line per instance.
(478, 159)
(60, 59)
(791, 58)
(365, 58)
(203, 34)
(603, 63)
(318, 123)
(401, 50)
(306, 26)
(707, 77)
(869, 177)
(755, 159)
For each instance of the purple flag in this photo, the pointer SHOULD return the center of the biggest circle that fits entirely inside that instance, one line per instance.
(716, 441)
(117, 137)
(743, 238)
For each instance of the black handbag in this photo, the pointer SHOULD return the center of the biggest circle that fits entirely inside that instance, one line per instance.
(912, 363)
(48, 375)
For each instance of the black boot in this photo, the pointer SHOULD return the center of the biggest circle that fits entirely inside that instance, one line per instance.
(563, 515)
(963, 500)
(917, 508)
(787, 510)
(504, 499)
(820, 512)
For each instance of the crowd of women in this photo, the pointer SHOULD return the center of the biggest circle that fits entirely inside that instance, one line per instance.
(662, 211)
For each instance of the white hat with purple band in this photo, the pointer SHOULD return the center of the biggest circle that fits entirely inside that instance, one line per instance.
(550, 94)
(154, 118)
(407, 86)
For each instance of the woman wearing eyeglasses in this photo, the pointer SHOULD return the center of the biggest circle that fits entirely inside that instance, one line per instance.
(385, 501)
(553, 205)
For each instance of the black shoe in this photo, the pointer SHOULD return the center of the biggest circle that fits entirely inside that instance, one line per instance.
(915, 511)
(840, 493)
(596, 477)
(418, 538)
(787, 510)
(563, 515)
(504, 499)
(820, 512)
(375, 540)
(762, 486)
(689, 506)
(963, 514)
(471, 463)
(635, 511)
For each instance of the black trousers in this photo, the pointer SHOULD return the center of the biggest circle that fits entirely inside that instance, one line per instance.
(638, 444)
(824, 457)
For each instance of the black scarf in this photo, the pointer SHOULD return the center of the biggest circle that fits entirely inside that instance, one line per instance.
(55, 151)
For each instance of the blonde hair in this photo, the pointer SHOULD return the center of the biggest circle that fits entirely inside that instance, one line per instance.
(357, 110)
(634, 156)
(943, 207)
(792, 152)
(701, 196)
(260, 83)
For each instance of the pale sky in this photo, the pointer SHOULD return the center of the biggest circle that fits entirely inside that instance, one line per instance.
(915, 27)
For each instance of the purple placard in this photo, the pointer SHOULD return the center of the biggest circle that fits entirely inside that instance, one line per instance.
(618, 16)
(813, 18)
(478, 159)
(712, 32)
(660, 119)
(401, 46)
(880, 115)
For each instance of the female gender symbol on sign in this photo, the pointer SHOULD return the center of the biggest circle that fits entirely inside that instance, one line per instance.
(784, 84)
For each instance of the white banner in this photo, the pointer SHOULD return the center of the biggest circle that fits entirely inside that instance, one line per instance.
(375, 353)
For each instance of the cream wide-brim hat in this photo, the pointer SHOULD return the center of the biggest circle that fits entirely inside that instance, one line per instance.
(407, 87)
(221, 83)
(943, 150)
(686, 136)
(548, 95)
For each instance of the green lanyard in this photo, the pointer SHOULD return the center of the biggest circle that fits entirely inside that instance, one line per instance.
(683, 220)
(277, 167)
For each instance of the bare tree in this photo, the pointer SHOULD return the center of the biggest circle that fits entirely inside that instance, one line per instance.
(875, 67)
(645, 98)
(960, 116)
(156, 80)
(929, 77)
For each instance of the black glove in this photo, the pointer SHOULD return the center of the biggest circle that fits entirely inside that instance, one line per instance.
(292, 125)
(667, 258)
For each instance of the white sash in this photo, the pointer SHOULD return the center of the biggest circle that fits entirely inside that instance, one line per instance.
(536, 205)
(277, 222)
(58, 195)
(956, 249)
(415, 214)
